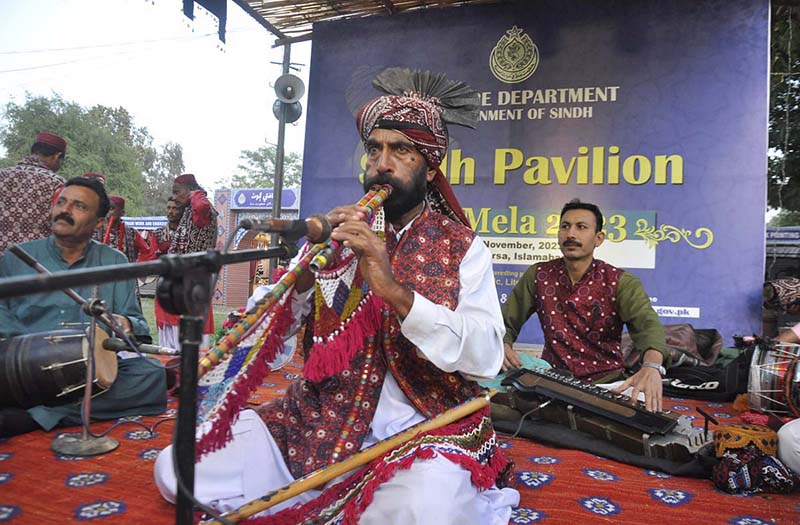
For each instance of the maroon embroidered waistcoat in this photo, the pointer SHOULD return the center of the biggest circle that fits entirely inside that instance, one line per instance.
(321, 422)
(581, 327)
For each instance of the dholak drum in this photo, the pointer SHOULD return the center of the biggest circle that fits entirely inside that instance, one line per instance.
(774, 383)
(49, 368)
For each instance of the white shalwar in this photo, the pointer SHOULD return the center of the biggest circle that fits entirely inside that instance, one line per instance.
(789, 445)
(169, 337)
(468, 340)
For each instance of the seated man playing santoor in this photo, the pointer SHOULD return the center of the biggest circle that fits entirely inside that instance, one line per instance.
(140, 384)
(582, 304)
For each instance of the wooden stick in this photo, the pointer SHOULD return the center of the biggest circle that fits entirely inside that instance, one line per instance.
(323, 475)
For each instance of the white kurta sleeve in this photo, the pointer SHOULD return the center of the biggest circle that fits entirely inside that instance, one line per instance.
(468, 339)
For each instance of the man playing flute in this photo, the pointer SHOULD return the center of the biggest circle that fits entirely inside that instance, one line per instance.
(419, 323)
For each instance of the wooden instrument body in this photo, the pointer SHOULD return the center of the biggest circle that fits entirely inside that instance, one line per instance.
(593, 410)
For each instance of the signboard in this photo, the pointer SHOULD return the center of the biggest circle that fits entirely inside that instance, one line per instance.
(655, 111)
(145, 223)
(260, 198)
(784, 235)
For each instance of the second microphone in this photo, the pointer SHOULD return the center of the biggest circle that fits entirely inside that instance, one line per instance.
(315, 228)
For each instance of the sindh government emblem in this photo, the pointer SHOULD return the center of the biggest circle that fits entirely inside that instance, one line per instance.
(515, 57)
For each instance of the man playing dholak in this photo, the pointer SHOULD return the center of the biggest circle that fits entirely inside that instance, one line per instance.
(139, 387)
(582, 303)
(421, 320)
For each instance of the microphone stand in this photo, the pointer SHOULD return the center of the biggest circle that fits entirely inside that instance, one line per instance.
(184, 288)
(84, 443)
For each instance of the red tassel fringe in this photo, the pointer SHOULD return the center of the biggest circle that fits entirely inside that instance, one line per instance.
(330, 358)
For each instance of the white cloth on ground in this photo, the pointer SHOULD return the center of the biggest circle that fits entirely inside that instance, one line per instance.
(168, 337)
(789, 445)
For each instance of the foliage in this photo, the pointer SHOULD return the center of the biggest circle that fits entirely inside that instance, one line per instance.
(257, 169)
(101, 140)
(785, 218)
(784, 112)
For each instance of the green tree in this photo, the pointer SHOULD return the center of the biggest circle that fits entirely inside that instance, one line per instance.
(161, 168)
(100, 139)
(257, 168)
(784, 113)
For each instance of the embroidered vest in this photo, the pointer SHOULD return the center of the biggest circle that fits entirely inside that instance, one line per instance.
(325, 420)
(427, 260)
(125, 244)
(581, 327)
(189, 238)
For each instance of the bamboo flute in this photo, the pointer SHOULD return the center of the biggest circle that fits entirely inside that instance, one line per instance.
(322, 476)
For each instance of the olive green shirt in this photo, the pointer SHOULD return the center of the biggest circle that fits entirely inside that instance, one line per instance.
(632, 303)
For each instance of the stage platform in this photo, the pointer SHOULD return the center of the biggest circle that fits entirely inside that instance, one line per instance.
(557, 485)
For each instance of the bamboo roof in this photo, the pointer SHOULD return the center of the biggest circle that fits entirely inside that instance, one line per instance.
(291, 20)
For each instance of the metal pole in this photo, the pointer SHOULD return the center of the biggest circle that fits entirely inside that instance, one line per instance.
(277, 187)
(191, 335)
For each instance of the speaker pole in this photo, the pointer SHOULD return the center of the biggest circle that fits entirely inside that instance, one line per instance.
(277, 186)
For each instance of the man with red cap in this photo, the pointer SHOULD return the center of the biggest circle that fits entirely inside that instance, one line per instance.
(405, 319)
(27, 191)
(162, 239)
(119, 235)
(197, 228)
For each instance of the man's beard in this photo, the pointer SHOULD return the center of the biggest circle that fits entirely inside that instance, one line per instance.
(403, 198)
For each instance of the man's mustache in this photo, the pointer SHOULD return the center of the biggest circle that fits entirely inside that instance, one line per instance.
(572, 243)
(66, 218)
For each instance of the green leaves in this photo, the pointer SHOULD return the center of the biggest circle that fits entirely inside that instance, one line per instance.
(100, 139)
(257, 169)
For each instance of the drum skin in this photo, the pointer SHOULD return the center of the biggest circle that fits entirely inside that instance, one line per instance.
(105, 361)
(773, 387)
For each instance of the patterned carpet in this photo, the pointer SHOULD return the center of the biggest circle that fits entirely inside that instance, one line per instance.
(557, 485)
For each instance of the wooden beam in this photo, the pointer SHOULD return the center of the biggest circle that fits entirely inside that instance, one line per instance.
(260, 18)
(292, 39)
(392, 9)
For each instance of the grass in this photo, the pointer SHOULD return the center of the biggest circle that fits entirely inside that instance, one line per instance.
(148, 309)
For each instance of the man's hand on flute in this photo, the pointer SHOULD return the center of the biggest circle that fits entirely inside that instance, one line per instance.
(373, 262)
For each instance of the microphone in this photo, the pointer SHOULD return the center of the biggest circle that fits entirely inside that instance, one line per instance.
(118, 345)
(316, 228)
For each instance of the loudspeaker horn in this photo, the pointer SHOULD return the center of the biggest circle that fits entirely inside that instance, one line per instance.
(289, 88)
(293, 110)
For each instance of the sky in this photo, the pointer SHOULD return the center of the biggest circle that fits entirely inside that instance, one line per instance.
(173, 75)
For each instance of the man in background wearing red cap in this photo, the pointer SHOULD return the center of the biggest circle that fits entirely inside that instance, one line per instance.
(162, 239)
(197, 229)
(27, 191)
(122, 237)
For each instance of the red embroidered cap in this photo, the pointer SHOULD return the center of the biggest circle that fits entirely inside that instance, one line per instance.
(45, 137)
(119, 201)
(187, 179)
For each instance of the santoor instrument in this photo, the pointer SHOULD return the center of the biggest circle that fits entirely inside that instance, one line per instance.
(583, 407)
(322, 476)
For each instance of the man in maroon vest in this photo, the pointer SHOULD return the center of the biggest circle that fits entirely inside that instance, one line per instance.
(405, 317)
(582, 304)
